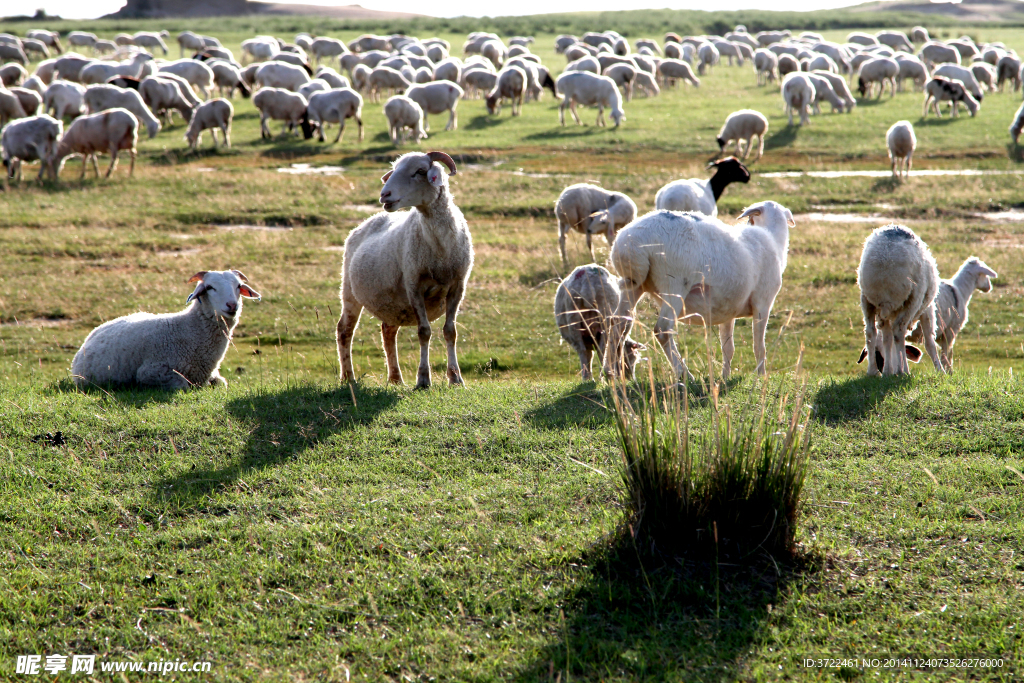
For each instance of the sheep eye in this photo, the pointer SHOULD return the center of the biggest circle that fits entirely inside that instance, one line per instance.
(210, 289)
(422, 171)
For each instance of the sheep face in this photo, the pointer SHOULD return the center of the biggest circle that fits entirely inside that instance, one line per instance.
(768, 213)
(416, 179)
(983, 282)
(220, 291)
(630, 355)
(730, 168)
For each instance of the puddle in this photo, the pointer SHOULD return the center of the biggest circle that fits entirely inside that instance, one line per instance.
(843, 218)
(884, 174)
(274, 228)
(518, 172)
(178, 252)
(365, 208)
(38, 322)
(1011, 215)
(307, 169)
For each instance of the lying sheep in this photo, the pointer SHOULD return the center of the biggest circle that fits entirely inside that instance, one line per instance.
(402, 113)
(700, 269)
(437, 98)
(510, 84)
(582, 87)
(702, 195)
(210, 115)
(30, 139)
(584, 305)
(109, 131)
(940, 89)
(591, 210)
(798, 94)
(901, 142)
(898, 281)
(170, 350)
(743, 125)
(408, 268)
(335, 106)
(102, 97)
(282, 105)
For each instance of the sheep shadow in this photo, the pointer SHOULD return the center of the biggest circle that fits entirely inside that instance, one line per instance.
(484, 121)
(570, 129)
(887, 185)
(281, 425)
(583, 406)
(852, 399)
(933, 120)
(663, 619)
(782, 137)
(1015, 152)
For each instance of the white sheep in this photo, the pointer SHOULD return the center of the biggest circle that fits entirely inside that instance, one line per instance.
(898, 281)
(228, 77)
(587, 63)
(1017, 125)
(901, 142)
(12, 74)
(585, 302)
(707, 55)
(1008, 71)
(912, 69)
(10, 107)
(823, 91)
(644, 82)
(210, 115)
(766, 63)
(335, 106)
(897, 40)
(332, 77)
(49, 38)
(495, 51)
(940, 89)
(170, 350)
(314, 86)
(275, 74)
(798, 94)
(787, 64)
(437, 98)
(102, 97)
(408, 268)
(35, 83)
(860, 38)
(919, 34)
(69, 66)
(743, 125)
(479, 81)
(30, 100)
(964, 74)
(402, 113)
(880, 70)
(162, 95)
(823, 63)
(985, 74)
(933, 53)
(701, 270)
(187, 40)
(699, 195)
(150, 40)
(109, 131)
(195, 72)
(449, 70)
(30, 139)
(383, 78)
(282, 105)
(839, 87)
(510, 84)
(729, 49)
(582, 87)
(624, 76)
(591, 210)
(81, 38)
(66, 99)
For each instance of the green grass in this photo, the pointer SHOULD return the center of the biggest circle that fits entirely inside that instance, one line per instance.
(288, 528)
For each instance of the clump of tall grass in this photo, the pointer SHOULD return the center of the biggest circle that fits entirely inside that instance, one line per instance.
(719, 481)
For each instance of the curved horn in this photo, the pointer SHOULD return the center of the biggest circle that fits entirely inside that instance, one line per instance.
(198, 276)
(444, 159)
(241, 276)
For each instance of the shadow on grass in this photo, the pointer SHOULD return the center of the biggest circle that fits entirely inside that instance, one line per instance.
(122, 396)
(667, 620)
(852, 399)
(889, 185)
(582, 406)
(484, 121)
(1015, 152)
(781, 138)
(280, 426)
(933, 120)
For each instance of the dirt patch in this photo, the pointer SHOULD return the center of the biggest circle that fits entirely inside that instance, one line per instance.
(178, 252)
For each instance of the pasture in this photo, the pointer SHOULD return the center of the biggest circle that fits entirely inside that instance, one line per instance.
(291, 528)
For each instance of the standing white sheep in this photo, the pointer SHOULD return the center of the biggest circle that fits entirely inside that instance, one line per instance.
(31, 139)
(695, 194)
(210, 115)
(582, 87)
(511, 84)
(902, 142)
(108, 131)
(437, 98)
(798, 94)
(402, 113)
(1017, 125)
(743, 126)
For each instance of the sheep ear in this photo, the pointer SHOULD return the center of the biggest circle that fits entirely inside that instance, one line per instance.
(384, 178)
(198, 292)
(913, 353)
(249, 293)
(863, 355)
(789, 219)
(198, 277)
(985, 270)
(241, 275)
(749, 212)
(435, 176)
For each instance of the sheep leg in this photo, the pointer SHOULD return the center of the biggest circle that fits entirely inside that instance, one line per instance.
(95, 164)
(563, 228)
(561, 112)
(113, 162)
(85, 167)
(665, 333)
(423, 331)
(360, 122)
(161, 375)
(619, 328)
(452, 302)
(893, 363)
(928, 328)
(350, 310)
(453, 119)
(389, 335)
(576, 116)
(590, 245)
(760, 325)
(870, 333)
(725, 336)
(131, 168)
(341, 131)
(226, 131)
(600, 116)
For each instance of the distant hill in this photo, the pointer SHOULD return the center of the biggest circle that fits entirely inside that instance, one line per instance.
(968, 11)
(159, 9)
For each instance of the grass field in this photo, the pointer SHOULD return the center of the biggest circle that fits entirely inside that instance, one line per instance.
(290, 528)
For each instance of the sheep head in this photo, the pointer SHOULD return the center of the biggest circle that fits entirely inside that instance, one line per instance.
(983, 272)
(415, 179)
(768, 214)
(220, 290)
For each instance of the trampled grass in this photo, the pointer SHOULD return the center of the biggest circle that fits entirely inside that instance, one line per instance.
(289, 528)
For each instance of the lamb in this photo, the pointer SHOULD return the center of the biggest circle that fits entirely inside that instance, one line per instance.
(963, 74)
(511, 84)
(30, 100)
(743, 125)
(672, 70)
(162, 95)
(584, 304)
(591, 210)
(30, 139)
(699, 267)
(282, 105)
(109, 131)
(839, 87)
(385, 78)
(193, 71)
(1017, 125)
(581, 87)
(933, 53)
(407, 268)
(277, 74)
(702, 195)
(766, 63)
(212, 114)
(65, 98)
(902, 142)
(437, 98)
(823, 91)
(879, 70)
(913, 69)
(170, 350)
(898, 281)
(402, 113)
(940, 89)
(102, 97)
(335, 106)
(798, 94)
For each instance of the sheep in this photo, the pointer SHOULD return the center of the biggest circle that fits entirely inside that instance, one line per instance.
(898, 281)
(334, 106)
(699, 267)
(940, 89)
(360, 75)
(171, 350)
(282, 105)
(823, 91)
(967, 49)
(385, 78)
(34, 83)
(403, 113)
(102, 97)
(407, 268)
(49, 38)
(585, 302)
(787, 64)
(985, 74)
(259, 49)
(65, 98)
(859, 38)
(35, 46)
(673, 70)
(187, 93)
(563, 41)
(743, 125)
(897, 40)
(187, 40)
(823, 63)
(1008, 70)
(708, 56)
(933, 53)
(30, 139)
(511, 84)
(332, 77)
(227, 77)
(315, 85)
(743, 38)
(624, 75)
(839, 87)
(591, 210)
(581, 87)
(702, 195)
(836, 52)
(919, 34)
(449, 70)
(1017, 125)
(913, 69)
(81, 38)
(195, 72)
(652, 45)
(122, 39)
(645, 83)
(495, 51)
(963, 74)
(212, 114)
(799, 94)
(901, 142)
(587, 63)
(766, 64)
(12, 74)
(30, 100)
(101, 72)
(681, 52)
(879, 70)
(150, 40)
(162, 95)
(109, 131)
(276, 74)
(437, 98)
(69, 66)
(368, 41)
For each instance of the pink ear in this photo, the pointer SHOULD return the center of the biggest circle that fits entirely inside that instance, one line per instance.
(435, 175)
(385, 177)
(247, 291)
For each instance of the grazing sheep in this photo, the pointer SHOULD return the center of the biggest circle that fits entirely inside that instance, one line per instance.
(985, 74)
(822, 63)
(335, 106)
(591, 210)
(798, 94)
(860, 38)
(210, 115)
(34, 83)
(897, 40)
(645, 83)
(408, 268)
(919, 34)
(708, 56)
(479, 81)
(582, 87)
(967, 49)
(963, 74)
(69, 66)
(30, 139)
(880, 70)
(187, 40)
(940, 89)
(932, 53)
(823, 91)
(449, 70)
(699, 267)
(314, 86)
(81, 39)
(109, 131)
(673, 70)
(104, 47)
(368, 41)
(170, 350)
(588, 63)
(912, 69)
(150, 40)
(651, 45)
(282, 105)
(743, 125)
(1008, 70)
(510, 84)
(49, 38)
(624, 75)
(227, 77)
(385, 78)
(187, 93)
(30, 100)
(360, 77)
(164, 96)
(277, 74)
(766, 63)
(332, 77)
(901, 142)
(788, 64)
(898, 281)
(102, 72)
(12, 74)
(198, 74)
(584, 305)
(839, 87)
(437, 98)
(495, 51)
(123, 39)
(1017, 125)
(702, 195)
(402, 113)
(65, 99)
(102, 97)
